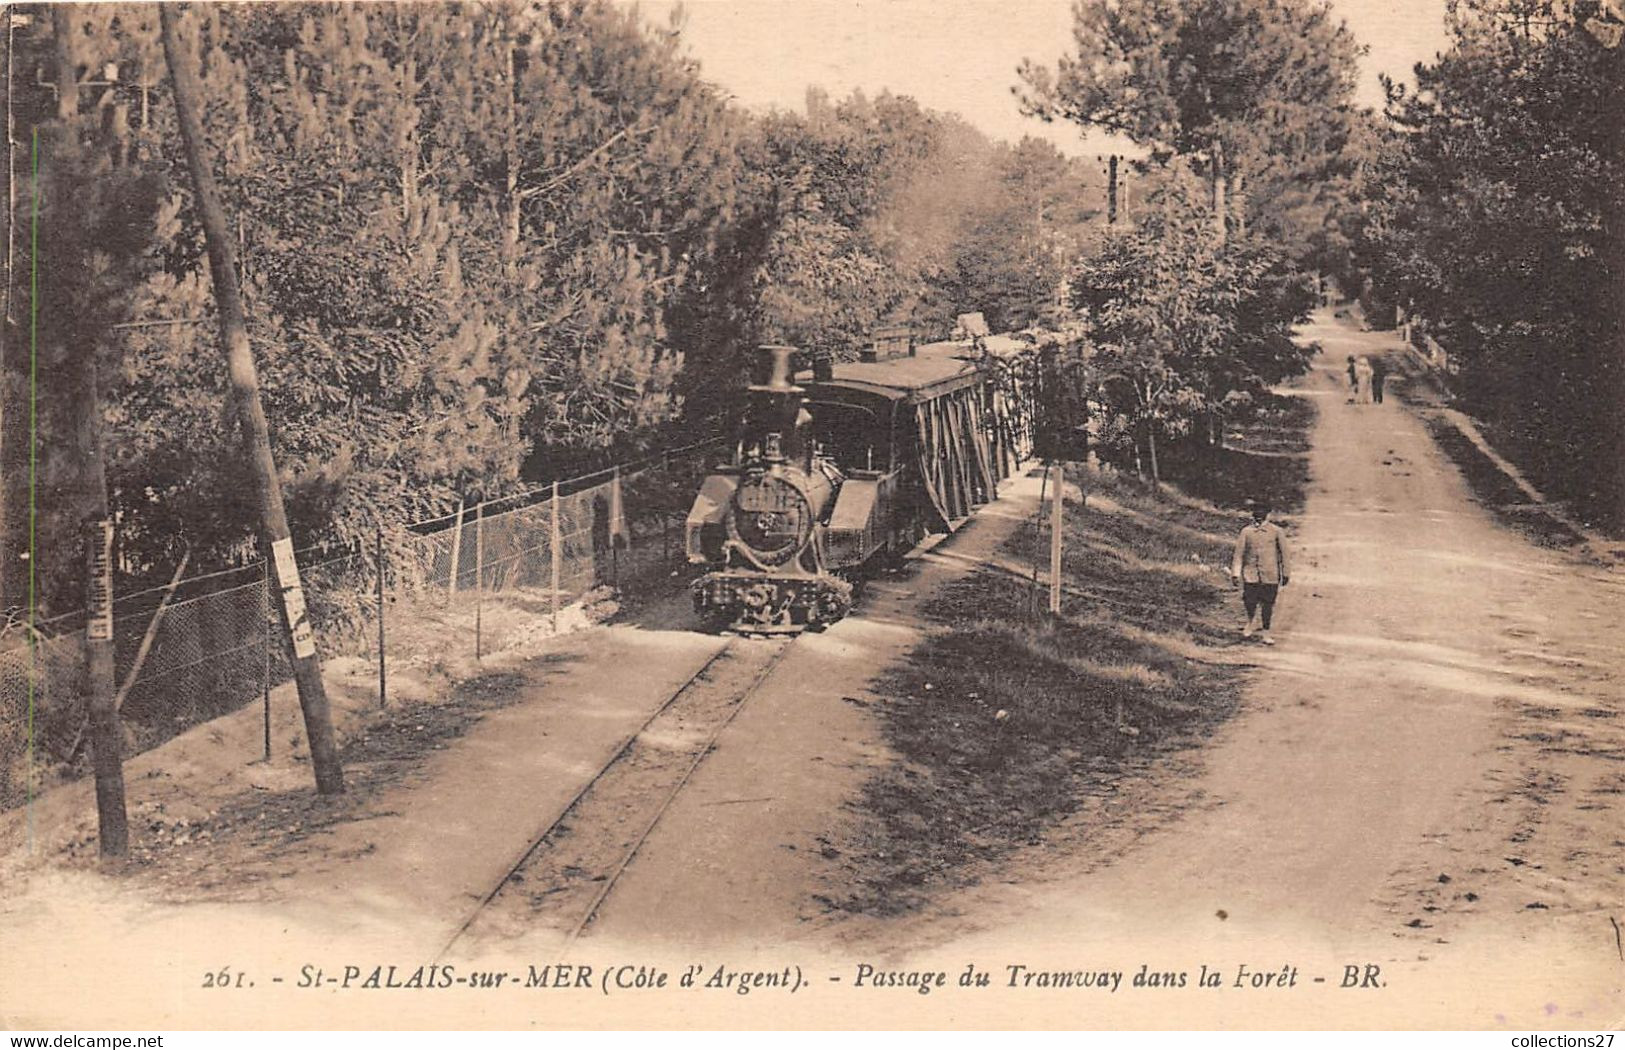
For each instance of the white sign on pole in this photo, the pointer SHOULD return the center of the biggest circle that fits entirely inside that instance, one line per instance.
(99, 626)
(293, 598)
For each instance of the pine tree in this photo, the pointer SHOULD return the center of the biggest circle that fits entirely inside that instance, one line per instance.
(1255, 91)
(1496, 216)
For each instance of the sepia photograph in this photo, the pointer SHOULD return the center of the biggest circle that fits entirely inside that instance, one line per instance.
(805, 515)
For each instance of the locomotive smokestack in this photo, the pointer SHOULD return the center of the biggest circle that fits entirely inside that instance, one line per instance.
(776, 405)
(775, 367)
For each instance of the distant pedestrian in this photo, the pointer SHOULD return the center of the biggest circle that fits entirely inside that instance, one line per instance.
(1260, 563)
(1354, 378)
(1379, 375)
(1362, 381)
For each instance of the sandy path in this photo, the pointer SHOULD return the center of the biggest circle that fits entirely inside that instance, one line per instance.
(1372, 712)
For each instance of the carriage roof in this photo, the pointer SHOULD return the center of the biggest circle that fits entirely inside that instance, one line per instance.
(933, 370)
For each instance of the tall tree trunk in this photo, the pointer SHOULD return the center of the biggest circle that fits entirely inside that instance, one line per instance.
(1111, 190)
(1217, 176)
(307, 668)
(408, 146)
(23, 122)
(75, 376)
(1618, 416)
(510, 160)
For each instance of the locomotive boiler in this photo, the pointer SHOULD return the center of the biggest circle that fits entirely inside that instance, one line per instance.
(759, 522)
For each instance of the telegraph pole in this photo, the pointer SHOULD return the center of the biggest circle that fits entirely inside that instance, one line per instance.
(1058, 482)
(307, 667)
(1111, 190)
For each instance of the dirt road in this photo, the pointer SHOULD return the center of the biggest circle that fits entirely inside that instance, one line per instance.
(1426, 776)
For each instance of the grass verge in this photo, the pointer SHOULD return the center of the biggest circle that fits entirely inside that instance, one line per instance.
(1265, 458)
(1494, 490)
(1006, 720)
(1489, 483)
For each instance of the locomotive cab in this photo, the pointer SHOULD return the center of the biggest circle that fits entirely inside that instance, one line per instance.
(860, 437)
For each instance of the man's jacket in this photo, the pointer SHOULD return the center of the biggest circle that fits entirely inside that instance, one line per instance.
(1261, 554)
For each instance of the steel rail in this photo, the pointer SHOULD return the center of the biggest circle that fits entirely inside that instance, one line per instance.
(704, 753)
(615, 758)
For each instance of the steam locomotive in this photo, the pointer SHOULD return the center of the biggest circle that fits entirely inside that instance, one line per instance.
(845, 465)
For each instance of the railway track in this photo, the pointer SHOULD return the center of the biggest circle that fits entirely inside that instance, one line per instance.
(570, 868)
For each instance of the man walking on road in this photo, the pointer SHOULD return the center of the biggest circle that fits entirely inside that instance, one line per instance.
(1379, 375)
(1260, 564)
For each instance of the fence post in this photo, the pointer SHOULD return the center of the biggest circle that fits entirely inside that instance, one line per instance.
(665, 513)
(456, 552)
(614, 548)
(554, 545)
(265, 705)
(479, 580)
(382, 673)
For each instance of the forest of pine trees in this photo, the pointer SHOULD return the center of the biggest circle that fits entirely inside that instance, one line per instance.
(1496, 218)
(479, 245)
(483, 245)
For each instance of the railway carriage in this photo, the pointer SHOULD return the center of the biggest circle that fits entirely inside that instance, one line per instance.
(842, 466)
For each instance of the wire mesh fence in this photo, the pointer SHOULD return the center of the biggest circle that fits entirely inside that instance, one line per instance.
(40, 692)
(205, 654)
(474, 582)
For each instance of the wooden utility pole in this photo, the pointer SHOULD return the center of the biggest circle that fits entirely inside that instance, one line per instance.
(307, 667)
(479, 580)
(1111, 190)
(510, 157)
(554, 540)
(1238, 202)
(106, 738)
(383, 673)
(1058, 482)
